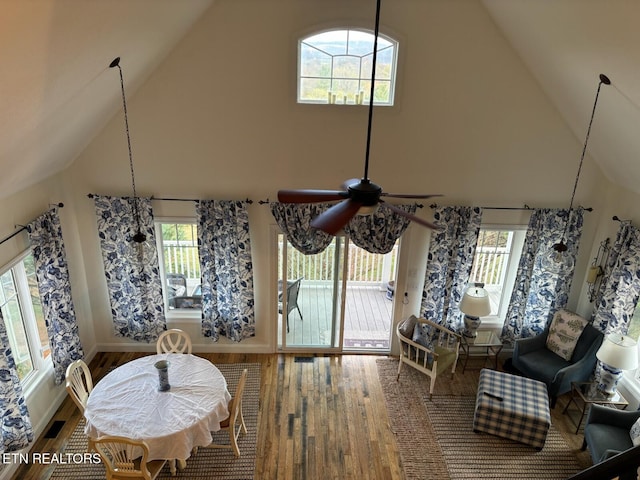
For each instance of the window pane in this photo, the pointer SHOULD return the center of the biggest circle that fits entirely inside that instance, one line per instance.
(15, 327)
(314, 63)
(491, 262)
(340, 55)
(30, 270)
(181, 265)
(314, 89)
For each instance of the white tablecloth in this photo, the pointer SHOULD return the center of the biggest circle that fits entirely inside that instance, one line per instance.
(127, 402)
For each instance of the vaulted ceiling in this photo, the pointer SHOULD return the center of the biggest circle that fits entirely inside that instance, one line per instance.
(55, 96)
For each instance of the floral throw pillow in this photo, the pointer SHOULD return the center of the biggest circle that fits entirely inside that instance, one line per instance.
(564, 332)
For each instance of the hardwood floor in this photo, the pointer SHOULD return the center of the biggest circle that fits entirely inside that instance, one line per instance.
(319, 419)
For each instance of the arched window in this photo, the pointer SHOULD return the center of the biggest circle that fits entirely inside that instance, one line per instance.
(334, 66)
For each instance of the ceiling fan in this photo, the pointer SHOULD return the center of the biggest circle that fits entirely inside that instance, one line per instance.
(355, 193)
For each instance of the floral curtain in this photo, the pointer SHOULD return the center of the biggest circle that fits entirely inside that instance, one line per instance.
(375, 233)
(539, 293)
(226, 270)
(52, 273)
(294, 219)
(378, 232)
(131, 269)
(17, 431)
(621, 290)
(449, 263)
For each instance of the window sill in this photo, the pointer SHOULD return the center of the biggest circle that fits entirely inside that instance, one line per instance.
(184, 314)
(32, 385)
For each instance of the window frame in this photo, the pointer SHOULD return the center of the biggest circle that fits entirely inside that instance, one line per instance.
(394, 44)
(173, 313)
(517, 245)
(42, 365)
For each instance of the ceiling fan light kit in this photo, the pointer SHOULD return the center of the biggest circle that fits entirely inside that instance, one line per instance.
(557, 260)
(358, 196)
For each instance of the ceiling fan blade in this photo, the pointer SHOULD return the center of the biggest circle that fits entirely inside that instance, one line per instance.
(408, 195)
(410, 216)
(336, 217)
(310, 196)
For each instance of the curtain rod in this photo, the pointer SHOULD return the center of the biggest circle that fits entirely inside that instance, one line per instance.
(525, 207)
(23, 227)
(91, 195)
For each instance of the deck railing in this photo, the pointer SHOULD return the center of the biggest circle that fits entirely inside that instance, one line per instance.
(364, 267)
(490, 266)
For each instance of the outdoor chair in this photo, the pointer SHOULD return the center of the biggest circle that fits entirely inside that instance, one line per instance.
(293, 288)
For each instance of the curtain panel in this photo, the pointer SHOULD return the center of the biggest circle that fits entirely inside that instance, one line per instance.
(131, 269)
(294, 219)
(449, 263)
(539, 293)
(17, 431)
(621, 290)
(375, 233)
(54, 287)
(226, 270)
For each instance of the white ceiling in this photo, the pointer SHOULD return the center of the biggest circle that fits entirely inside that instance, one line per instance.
(56, 93)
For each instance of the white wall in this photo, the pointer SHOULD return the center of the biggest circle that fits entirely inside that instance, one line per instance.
(218, 119)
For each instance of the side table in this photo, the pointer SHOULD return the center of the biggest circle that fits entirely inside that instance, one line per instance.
(486, 344)
(583, 394)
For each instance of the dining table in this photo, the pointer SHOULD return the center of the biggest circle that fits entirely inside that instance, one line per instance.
(128, 402)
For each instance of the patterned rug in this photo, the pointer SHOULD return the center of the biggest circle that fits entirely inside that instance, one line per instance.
(476, 456)
(435, 438)
(207, 463)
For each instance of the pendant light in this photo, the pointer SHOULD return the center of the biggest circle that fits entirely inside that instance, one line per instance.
(558, 259)
(138, 237)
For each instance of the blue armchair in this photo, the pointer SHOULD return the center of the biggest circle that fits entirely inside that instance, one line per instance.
(533, 359)
(606, 432)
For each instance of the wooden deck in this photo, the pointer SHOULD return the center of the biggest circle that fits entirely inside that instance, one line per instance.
(367, 318)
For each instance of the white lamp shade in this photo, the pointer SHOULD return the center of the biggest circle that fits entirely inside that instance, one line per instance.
(619, 351)
(475, 302)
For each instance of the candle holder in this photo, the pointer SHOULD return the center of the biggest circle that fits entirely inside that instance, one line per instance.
(163, 375)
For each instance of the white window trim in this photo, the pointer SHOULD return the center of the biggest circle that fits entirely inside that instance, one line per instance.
(42, 368)
(190, 315)
(497, 321)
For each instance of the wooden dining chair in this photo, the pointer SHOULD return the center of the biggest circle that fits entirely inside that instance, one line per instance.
(79, 383)
(127, 458)
(234, 423)
(174, 341)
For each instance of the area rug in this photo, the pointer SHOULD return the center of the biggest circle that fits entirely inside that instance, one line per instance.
(435, 438)
(207, 463)
(476, 456)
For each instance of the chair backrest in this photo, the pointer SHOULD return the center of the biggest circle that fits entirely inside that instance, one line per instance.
(174, 341)
(235, 405)
(292, 294)
(588, 344)
(79, 383)
(124, 457)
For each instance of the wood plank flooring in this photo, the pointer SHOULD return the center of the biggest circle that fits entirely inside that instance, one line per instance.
(320, 417)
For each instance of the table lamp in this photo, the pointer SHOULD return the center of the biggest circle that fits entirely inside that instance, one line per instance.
(617, 353)
(474, 304)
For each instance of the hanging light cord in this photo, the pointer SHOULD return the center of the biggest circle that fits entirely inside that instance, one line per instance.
(139, 237)
(603, 79)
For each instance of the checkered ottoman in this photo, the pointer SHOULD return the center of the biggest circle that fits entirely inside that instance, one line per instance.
(512, 407)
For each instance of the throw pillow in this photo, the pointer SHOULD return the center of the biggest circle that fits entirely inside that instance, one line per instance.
(564, 332)
(422, 335)
(635, 433)
(407, 327)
